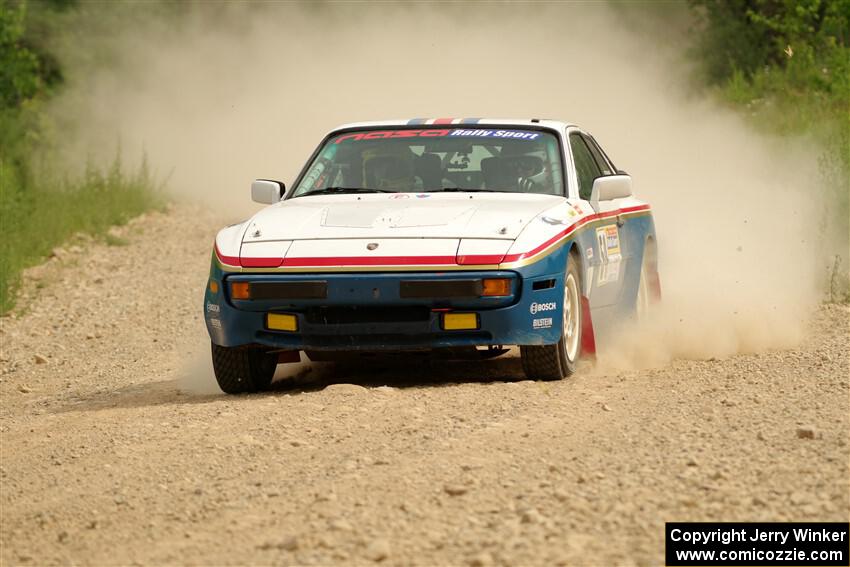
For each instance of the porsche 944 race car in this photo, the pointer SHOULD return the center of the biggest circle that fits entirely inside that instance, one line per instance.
(460, 236)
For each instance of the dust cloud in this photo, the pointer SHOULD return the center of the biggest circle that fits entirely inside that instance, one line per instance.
(221, 96)
(195, 377)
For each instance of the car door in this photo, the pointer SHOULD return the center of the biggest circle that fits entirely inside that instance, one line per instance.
(630, 233)
(601, 242)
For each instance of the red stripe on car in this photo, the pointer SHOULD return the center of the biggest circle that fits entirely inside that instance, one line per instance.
(260, 262)
(479, 259)
(572, 228)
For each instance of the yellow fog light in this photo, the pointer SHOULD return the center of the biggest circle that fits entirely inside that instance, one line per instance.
(460, 321)
(282, 322)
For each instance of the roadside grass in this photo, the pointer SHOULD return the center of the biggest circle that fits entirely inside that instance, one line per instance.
(36, 215)
(112, 240)
(839, 283)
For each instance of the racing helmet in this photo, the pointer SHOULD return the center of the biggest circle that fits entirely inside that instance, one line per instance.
(389, 168)
(527, 163)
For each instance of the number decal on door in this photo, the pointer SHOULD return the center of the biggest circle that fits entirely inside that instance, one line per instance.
(608, 238)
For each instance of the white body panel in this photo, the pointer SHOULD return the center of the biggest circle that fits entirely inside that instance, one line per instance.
(399, 215)
(370, 248)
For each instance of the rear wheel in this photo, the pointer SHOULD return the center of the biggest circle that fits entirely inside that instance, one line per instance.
(554, 362)
(240, 370)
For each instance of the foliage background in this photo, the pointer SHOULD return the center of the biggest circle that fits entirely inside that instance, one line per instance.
(41, 203)
(786, 63)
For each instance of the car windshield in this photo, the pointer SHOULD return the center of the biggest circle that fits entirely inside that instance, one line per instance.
(436, 159)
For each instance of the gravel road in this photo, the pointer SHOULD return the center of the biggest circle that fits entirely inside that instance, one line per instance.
(118, 449)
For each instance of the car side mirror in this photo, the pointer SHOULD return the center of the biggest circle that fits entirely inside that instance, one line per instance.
(267, 191)
(611, 187)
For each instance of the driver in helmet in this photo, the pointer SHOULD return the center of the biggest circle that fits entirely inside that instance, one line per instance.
(527, 165)
(390, 168)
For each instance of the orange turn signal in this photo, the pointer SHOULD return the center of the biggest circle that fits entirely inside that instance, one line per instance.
(240, 290)
(213, 286)
(496, 287)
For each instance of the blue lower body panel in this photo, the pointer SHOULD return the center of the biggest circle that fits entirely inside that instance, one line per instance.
(368, 311)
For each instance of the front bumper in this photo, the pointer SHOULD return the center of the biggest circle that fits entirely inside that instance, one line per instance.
(369, 312)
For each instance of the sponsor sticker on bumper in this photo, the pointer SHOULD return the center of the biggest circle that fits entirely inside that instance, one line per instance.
(540, 307)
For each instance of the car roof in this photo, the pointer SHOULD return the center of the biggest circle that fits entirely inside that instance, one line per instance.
(413, 122)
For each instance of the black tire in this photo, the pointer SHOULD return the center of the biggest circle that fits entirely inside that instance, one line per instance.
(241, 370)
(556, 362)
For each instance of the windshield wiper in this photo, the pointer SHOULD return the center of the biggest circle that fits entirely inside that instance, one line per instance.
(340, 190)
(462, 190)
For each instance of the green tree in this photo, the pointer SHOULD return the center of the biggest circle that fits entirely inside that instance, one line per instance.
(20, 77)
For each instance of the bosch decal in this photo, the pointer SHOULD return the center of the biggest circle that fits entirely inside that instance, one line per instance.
(213, 308)
(540, 307)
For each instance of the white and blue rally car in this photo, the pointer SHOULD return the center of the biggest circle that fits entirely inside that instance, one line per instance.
(458, 236)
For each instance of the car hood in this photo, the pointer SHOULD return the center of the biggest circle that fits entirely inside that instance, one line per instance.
(400, 215)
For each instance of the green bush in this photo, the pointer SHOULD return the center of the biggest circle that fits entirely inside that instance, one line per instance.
(19, 67)
(787, 61)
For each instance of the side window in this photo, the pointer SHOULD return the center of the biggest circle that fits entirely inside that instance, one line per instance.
(586, 168)
(597, 156)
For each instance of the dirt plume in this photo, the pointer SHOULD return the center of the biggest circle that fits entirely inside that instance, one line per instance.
(196, 375)
(221, 96)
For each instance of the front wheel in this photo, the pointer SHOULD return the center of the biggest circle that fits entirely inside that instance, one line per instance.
(558, 361)
(240, 370)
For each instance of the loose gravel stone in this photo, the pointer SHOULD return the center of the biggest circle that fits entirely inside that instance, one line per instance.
(378, 550)
(482, 559)
(455, 489)
(806, 432)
